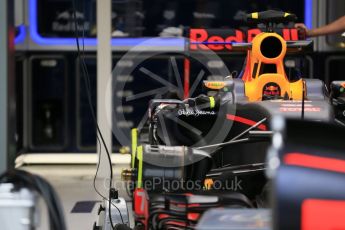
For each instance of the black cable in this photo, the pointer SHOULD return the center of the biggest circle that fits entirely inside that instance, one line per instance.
(162, 222)
(95, 177)
(94, 184)
(87, 84)
(89, 90)
(174, 227)
(119, 212)
(153, 214)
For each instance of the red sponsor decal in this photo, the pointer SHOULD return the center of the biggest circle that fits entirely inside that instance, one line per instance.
(200, 39)
(286, 34)
(315, 162)
(290, 34)
(252, 33)
(322, 214)
(294, 34)
(245, 121)
(217, 39)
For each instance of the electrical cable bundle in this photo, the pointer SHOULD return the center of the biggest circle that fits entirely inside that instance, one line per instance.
(100, 139)
(183, 211)
(177, 211)
(23, 179)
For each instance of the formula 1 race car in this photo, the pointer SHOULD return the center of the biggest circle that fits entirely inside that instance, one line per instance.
(214, 148)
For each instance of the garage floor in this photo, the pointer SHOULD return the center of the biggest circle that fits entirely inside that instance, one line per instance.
(74, 185)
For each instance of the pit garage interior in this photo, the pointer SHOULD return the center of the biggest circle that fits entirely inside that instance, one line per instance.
(181, 114)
